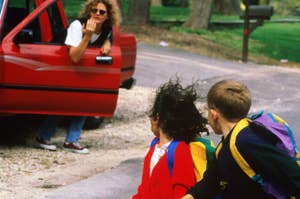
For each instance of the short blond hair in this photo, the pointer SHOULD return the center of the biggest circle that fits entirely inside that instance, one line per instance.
(231, 98)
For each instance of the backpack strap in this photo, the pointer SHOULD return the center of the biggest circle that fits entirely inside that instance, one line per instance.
(243, 164)
(235, 152)
(170, 155)
(154, 141)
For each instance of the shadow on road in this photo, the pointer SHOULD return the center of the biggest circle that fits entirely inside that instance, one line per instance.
(15, 130)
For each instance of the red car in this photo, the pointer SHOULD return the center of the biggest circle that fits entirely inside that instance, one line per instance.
(37, 75)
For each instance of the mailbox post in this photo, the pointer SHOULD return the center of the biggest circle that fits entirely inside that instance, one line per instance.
(258, 13)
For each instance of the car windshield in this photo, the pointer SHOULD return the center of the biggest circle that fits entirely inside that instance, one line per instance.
(1, 4)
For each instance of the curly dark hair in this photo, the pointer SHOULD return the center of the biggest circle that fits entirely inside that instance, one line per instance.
(174, 107)
(112, 12)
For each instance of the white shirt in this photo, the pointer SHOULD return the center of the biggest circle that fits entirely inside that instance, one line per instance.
(74, 34)
(157, 154)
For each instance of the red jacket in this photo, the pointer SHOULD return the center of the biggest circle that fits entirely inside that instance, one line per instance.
(161, 185)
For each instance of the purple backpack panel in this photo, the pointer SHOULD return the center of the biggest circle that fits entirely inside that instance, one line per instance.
(281, 130)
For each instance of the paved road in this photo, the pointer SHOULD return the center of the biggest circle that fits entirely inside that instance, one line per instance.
(273, 88)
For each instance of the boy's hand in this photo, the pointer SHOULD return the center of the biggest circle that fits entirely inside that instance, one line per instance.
(188, 196)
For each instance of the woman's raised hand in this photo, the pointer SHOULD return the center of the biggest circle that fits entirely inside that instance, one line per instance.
(89, 27)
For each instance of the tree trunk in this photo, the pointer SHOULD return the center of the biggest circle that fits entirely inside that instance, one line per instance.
(227, 7)
(156, 2)
(138, 11)
(121, 9)
(200, 14)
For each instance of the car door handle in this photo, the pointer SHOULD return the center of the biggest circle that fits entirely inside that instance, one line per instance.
(104, 60)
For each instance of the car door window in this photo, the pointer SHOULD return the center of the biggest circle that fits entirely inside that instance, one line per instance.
(34, 32)
(30, 34)
(16, 11)
(58, 31)
(1, 4)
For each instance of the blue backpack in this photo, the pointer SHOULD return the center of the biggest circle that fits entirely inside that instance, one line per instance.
(278, 127)
(202, 151)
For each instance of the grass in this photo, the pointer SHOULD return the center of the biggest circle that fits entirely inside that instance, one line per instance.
(274, 40)
(160, 13)
(277, 41)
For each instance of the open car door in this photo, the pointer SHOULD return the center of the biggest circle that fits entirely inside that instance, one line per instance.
(39, 77)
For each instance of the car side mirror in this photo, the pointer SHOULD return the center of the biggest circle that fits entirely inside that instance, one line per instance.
(104, 60)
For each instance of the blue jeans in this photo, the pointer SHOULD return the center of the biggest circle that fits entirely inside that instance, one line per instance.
(50, 125)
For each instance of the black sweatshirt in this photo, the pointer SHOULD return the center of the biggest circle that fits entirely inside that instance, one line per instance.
(226, 179)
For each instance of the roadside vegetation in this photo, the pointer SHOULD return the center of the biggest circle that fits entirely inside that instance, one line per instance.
(275, 42)
(276, 39)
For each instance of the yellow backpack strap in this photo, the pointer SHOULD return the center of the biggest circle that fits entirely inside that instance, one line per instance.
(198, 151)
(298, 158)
(234, 151)
(219, 147)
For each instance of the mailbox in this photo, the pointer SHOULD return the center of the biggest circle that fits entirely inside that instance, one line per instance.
(260, 12)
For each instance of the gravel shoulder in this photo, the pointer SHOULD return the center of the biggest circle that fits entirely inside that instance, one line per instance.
(27, 171)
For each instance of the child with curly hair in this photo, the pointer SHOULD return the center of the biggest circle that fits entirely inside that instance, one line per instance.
(173, 117)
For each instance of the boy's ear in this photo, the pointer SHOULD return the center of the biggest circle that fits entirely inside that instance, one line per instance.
(214, 113)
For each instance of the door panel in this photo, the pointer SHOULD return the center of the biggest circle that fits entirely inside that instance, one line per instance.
(128, 47)
(40, 78)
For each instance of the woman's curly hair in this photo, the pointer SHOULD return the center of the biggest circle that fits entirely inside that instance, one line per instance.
(112, 12)
(174, 107)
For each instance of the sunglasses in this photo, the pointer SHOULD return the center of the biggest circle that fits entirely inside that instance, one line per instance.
(95, 10)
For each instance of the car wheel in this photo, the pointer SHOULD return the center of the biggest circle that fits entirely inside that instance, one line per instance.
(93, 122)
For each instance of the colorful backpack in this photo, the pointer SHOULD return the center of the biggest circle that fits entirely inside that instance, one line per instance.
(278, 127)
(202, 151)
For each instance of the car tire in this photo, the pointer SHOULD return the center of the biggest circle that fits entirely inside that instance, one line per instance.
(93, 122)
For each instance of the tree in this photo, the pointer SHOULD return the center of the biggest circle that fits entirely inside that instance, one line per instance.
(121, 8)
(200, 14)
(138, 11)
(227, 6)
(156, 2)
(264, 2)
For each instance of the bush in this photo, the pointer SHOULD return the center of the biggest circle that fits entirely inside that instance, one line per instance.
(177, 3)
(286, 7)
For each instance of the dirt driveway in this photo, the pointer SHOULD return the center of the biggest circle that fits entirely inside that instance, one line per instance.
(27, 171)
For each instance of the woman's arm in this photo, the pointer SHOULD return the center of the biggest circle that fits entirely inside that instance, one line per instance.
(76, 52)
